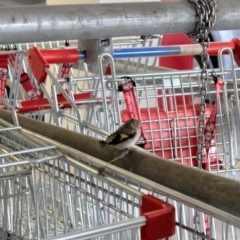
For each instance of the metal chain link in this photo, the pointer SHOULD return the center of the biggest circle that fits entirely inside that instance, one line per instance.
(206, 13)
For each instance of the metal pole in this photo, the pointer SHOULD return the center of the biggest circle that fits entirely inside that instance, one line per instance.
(103, 230)
(217, 191)
(93, 21)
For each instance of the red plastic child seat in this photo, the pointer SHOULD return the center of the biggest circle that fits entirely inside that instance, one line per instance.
(173, 134)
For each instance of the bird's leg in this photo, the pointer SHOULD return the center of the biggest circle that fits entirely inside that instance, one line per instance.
(124, 152)
(131, 168)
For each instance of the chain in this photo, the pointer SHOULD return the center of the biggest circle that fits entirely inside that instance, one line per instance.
(205, 10)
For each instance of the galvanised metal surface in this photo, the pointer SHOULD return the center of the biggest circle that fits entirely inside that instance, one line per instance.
(69, 192)
(92, 21)
(5, 3)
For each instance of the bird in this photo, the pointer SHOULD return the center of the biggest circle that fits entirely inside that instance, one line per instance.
(125, 136)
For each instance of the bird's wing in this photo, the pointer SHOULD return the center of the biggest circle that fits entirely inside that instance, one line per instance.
(119, 137)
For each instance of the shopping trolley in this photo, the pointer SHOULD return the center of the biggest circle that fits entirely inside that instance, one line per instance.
(59, 195)
(191, 214)
(17, 201)
(167, 105)
(45, 194)
(166, 102)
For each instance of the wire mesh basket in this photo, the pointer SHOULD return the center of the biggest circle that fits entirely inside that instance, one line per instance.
(194, 219)
(45, 193)
(166, 102)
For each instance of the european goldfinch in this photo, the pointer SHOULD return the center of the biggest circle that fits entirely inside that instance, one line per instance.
(126, 136)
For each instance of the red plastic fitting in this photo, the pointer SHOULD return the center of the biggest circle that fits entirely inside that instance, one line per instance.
(160, 217)
(215, 46)
(236, 50)
(37, 64)
(60, 55)
(38, 60)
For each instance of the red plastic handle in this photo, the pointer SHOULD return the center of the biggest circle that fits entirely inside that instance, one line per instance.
(60, 55)
(215, 46)
(234, 44)
(160, 218)
(37, 64)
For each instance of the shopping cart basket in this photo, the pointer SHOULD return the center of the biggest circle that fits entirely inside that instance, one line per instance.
(167, 103)
(45, 193)
(17, 200)
(30, 96)
(191, 220)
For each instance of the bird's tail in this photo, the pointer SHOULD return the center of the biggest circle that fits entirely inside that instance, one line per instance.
(102, 143)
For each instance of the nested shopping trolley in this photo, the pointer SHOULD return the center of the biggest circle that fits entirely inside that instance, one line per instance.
(45, 194)
(58, 193)
(166, 102)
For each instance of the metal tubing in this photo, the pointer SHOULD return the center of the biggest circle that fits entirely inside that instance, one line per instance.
(26, 151)
(12, 109)
(29, 161)
(9, 129)
(60, 89)
(204, 186)
(92, 161)
(103, 230)
(93, 21)
(14, 174)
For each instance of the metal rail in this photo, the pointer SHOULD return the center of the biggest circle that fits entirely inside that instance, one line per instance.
(215, 191)
(94, 21)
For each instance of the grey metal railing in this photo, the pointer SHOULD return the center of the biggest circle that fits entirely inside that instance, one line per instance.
(93, 21)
